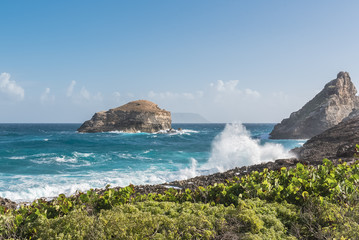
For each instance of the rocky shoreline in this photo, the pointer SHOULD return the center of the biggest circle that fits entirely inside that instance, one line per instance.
(206, 180)
(203, 180)
(338, 143)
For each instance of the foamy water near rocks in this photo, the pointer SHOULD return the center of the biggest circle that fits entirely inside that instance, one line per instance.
(136, 116)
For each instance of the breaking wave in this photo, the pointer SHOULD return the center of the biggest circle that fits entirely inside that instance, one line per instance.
(234, 147)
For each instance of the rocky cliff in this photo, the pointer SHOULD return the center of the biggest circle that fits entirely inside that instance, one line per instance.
(328, 108)
(336, 142)
(141, 115)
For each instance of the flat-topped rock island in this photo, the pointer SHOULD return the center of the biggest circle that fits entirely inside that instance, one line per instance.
(136, 116)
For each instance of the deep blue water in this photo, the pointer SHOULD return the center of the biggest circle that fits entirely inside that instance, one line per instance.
(44, 160)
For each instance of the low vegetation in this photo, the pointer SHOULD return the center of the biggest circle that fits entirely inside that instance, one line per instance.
(304, 202)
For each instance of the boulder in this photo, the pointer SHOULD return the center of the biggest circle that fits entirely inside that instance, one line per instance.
(136, 116)
(8, 204)
(328, 108)
(336, 142)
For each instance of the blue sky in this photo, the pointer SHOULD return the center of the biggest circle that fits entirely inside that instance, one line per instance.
(249, 61)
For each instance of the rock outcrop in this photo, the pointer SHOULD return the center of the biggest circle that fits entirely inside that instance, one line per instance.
(136, 116)
(328, 108)
(336, 142)
(353, 114)
(8, 204)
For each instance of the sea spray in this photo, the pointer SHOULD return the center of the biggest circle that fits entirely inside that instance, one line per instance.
(188, 172)
(234, 147)
(69, 161)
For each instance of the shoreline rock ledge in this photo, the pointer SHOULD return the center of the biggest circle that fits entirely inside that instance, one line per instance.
(338, 142)
(328, 108)
(136, 116)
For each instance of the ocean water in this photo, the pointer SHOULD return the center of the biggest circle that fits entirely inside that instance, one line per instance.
(44, 160)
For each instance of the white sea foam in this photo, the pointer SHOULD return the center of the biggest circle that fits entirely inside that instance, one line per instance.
(64, 159)
(27, 189)
(125, 133)
(177, 132)
(84, 155)
(78, 158)
(17, 157)
(115, 132)
(234, 147)
(188, 172)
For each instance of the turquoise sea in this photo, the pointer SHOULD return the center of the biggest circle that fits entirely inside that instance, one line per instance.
(44, 160)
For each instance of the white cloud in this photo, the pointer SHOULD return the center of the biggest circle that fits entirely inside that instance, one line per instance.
(250, 92)
(116, 97)
(46, 96)
(221, 86)
(173, 95)
(70, 89)
(231, 87)
(85, 94)
(11, 88)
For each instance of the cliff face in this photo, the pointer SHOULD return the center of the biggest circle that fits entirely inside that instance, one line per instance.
(336, 142)
(141, 115)
(328, 108)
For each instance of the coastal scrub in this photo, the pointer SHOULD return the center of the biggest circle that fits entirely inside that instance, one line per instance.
(304, 202)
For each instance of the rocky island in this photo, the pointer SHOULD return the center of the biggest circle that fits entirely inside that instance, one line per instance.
(328, 108)
(136, 116)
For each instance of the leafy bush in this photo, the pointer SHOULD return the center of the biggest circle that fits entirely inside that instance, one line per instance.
(305, 202)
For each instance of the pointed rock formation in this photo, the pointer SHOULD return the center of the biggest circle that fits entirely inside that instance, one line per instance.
(328, 108)
(136, 116)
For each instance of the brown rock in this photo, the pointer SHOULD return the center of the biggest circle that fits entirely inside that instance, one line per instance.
(136, 116)
(328, 108)
(4, 202)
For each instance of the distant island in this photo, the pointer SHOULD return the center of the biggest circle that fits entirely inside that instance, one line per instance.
(188, 118)
(135, 116)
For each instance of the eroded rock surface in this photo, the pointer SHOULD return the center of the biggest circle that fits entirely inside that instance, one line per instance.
(4, 202)
(136, 116)
(328, 108)
(334, 143)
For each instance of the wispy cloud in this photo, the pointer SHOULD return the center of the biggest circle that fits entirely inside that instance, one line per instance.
(70, 89)
(46, 96)
(82, 96)
(174, 95)
(11, 88)
(231, 87)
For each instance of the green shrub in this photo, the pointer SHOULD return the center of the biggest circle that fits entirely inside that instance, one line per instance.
(305, 202)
